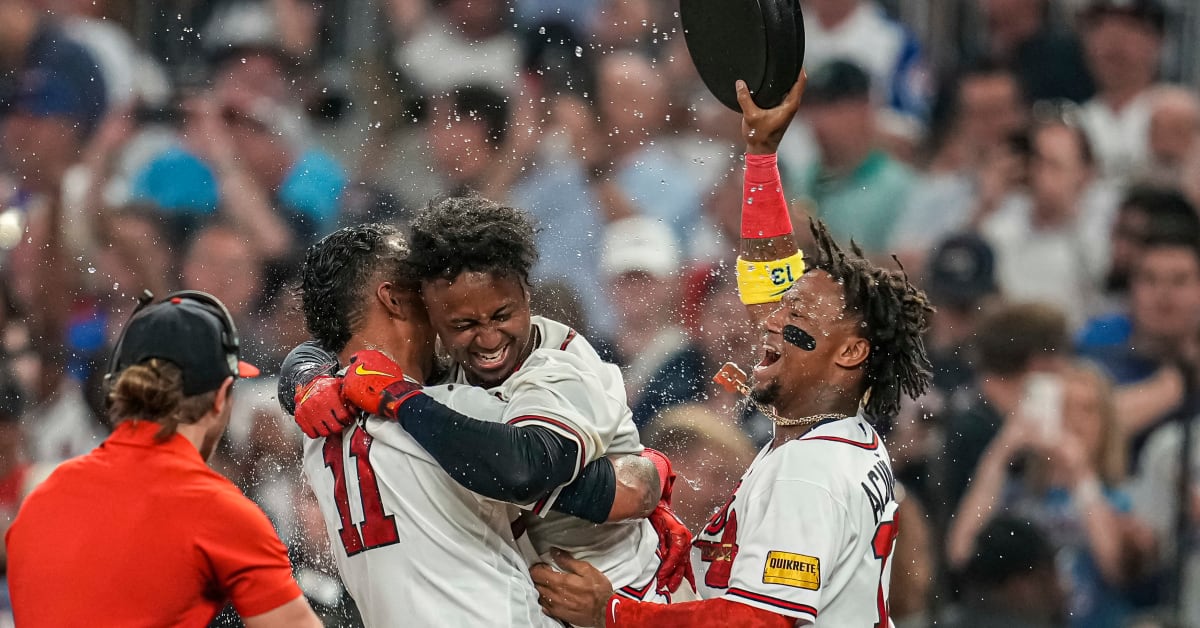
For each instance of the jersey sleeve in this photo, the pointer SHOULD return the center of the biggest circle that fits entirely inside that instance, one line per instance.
(556, 391)
(249, 562)
(788, 545)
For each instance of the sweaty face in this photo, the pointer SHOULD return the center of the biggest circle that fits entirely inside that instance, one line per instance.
(483, 321)
(787, 373)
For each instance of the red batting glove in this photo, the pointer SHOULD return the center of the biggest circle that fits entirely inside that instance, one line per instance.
(674, 539)
(374, 383)
(320, 410)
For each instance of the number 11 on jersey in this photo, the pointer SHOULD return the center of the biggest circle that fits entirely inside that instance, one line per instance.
(377, 529)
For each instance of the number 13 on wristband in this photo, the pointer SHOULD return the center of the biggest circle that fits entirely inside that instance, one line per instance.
(766, 281)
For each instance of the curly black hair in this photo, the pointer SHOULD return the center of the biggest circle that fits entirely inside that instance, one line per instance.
(896, 316)
(335, 273)
(457, 234)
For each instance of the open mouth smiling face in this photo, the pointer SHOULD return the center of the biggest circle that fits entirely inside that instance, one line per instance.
(483, 321)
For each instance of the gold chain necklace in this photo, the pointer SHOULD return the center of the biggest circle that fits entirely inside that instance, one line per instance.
(733, 379)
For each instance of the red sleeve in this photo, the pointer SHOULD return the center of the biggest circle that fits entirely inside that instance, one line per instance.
(625, 613)
(249, 561)
(764, 207)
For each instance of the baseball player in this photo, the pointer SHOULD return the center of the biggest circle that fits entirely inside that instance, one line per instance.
(473, 258)
(807, 534)
(393, 514)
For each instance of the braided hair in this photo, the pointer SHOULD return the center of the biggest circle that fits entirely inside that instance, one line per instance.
(895, 316)
(337, 271)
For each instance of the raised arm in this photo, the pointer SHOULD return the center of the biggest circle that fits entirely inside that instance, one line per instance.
(768, 261)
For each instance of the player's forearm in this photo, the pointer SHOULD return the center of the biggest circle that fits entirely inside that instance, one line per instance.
(767, 233)
(593, 495)
(625, 613)
(517, 464)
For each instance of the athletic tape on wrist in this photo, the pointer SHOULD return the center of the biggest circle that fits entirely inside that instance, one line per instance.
(765, 282)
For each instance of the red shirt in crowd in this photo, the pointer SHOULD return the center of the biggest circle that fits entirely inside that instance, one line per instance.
(141, 533)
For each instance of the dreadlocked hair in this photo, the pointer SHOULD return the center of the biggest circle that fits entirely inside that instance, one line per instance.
(895, 315)
(458, 234)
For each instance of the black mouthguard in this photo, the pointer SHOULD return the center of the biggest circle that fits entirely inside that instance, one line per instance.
(799, 337)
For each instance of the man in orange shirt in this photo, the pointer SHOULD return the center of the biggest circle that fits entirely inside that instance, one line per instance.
(141, 532)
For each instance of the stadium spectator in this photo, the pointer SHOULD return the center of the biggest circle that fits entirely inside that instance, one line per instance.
(1021, 339)
(1164, 318)
(707, 452)
(641, 264)
(1174, 137)
(961, 279)
(1123, 42)
(860, 31)
(857, 189)
(1047, 59)
(1051, 243)
(1156, 499)
(52, 96)
(242, 159)
(971, 151)
(475, 35)
(1011, 580)
(1071, 486)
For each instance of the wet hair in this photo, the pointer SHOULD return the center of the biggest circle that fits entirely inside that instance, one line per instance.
(457, 234)
(336, 272)
(895, 315)
(153, 391)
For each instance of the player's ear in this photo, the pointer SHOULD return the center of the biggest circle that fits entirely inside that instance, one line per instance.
(391, 300)
(854, 353)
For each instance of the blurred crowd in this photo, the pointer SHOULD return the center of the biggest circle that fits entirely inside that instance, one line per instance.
(1042, 187)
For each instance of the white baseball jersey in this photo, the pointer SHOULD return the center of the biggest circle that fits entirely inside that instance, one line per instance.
(626, 551)
(397, 517)
(414, 547)
(808, 531)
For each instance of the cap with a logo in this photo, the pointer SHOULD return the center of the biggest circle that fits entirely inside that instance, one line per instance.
(639, 244)
(962, 270)
(197, 336)
(1151, 12)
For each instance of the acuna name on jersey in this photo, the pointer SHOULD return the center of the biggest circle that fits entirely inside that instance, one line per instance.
(880, 487)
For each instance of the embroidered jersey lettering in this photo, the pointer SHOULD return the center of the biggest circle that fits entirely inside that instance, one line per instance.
(808, 530)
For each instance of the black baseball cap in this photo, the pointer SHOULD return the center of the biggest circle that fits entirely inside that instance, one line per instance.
(1151, 12)
(191, 330)
(837, 81)
(962, 271)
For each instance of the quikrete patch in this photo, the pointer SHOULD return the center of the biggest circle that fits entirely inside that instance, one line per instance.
(793, 570)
